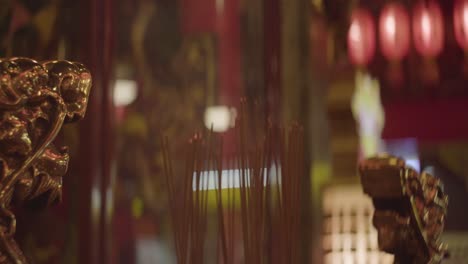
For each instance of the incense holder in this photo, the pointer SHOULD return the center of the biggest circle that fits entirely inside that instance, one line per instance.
(36, 99)
(410, 209)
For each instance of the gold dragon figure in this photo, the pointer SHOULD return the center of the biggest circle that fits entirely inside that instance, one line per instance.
(410, 209)
(36, 99)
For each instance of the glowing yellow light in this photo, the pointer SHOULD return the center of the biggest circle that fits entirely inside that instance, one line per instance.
(137, 207)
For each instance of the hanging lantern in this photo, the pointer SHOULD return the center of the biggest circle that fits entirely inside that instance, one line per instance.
(428, 28)
(428, 37)
(460, 23)
(394, 31)
(361, 37)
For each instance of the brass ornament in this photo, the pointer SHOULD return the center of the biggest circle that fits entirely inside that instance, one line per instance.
(36, 99)
(410, 209)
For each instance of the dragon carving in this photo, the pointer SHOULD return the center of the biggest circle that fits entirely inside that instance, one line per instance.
(36, 99)
(410, 209)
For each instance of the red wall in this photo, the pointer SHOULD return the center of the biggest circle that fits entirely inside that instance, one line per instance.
(429, 120)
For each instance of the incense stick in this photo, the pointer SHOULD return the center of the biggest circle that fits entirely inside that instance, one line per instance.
(269, 207)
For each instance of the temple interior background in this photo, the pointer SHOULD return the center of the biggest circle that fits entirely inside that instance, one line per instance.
(361, 77)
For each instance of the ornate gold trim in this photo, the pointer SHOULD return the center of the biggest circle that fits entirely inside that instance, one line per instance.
(410, 209)
(36, 99)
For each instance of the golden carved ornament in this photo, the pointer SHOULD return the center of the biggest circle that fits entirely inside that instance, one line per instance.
(36, 99)
(410, 209)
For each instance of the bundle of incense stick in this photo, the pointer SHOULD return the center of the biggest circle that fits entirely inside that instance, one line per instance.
(262, 186)
(188, 205)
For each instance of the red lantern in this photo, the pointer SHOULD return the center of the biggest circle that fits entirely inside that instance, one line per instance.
(460, 23)
(361, 37)
(394, 31)
(428, 28)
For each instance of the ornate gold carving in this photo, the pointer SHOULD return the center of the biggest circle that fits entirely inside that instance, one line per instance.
(410, 209)
(36, 99)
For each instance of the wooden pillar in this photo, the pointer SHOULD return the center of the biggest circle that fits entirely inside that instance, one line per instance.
(229, 54)
(253, 63)
(229, 61)
(272, 67)
(296, 85)
(94, 169)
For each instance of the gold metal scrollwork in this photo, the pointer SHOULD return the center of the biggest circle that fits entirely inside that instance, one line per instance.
(36, 99)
